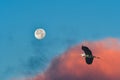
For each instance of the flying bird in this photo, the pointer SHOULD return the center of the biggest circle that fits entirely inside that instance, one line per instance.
(88, 55)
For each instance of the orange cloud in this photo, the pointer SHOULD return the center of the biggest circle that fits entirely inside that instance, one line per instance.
(71, 66)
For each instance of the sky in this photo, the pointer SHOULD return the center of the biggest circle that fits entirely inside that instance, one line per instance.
(67, 23)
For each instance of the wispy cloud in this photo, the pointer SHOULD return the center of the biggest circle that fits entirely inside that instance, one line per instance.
(71, 66)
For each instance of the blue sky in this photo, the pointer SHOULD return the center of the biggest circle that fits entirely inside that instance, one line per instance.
(66, 23)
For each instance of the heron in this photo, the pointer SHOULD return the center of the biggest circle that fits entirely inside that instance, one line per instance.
(88, 55)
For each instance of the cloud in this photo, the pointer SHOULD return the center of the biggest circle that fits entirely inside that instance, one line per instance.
(71, 66)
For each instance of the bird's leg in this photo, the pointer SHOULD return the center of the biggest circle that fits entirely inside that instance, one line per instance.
(96, 57)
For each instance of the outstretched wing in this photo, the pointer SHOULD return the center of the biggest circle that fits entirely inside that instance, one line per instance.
(87, 50)
(89, 60)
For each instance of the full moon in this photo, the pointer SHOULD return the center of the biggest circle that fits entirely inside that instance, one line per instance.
(39, 33)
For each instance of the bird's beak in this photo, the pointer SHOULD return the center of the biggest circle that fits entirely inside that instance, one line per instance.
(83, 54)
